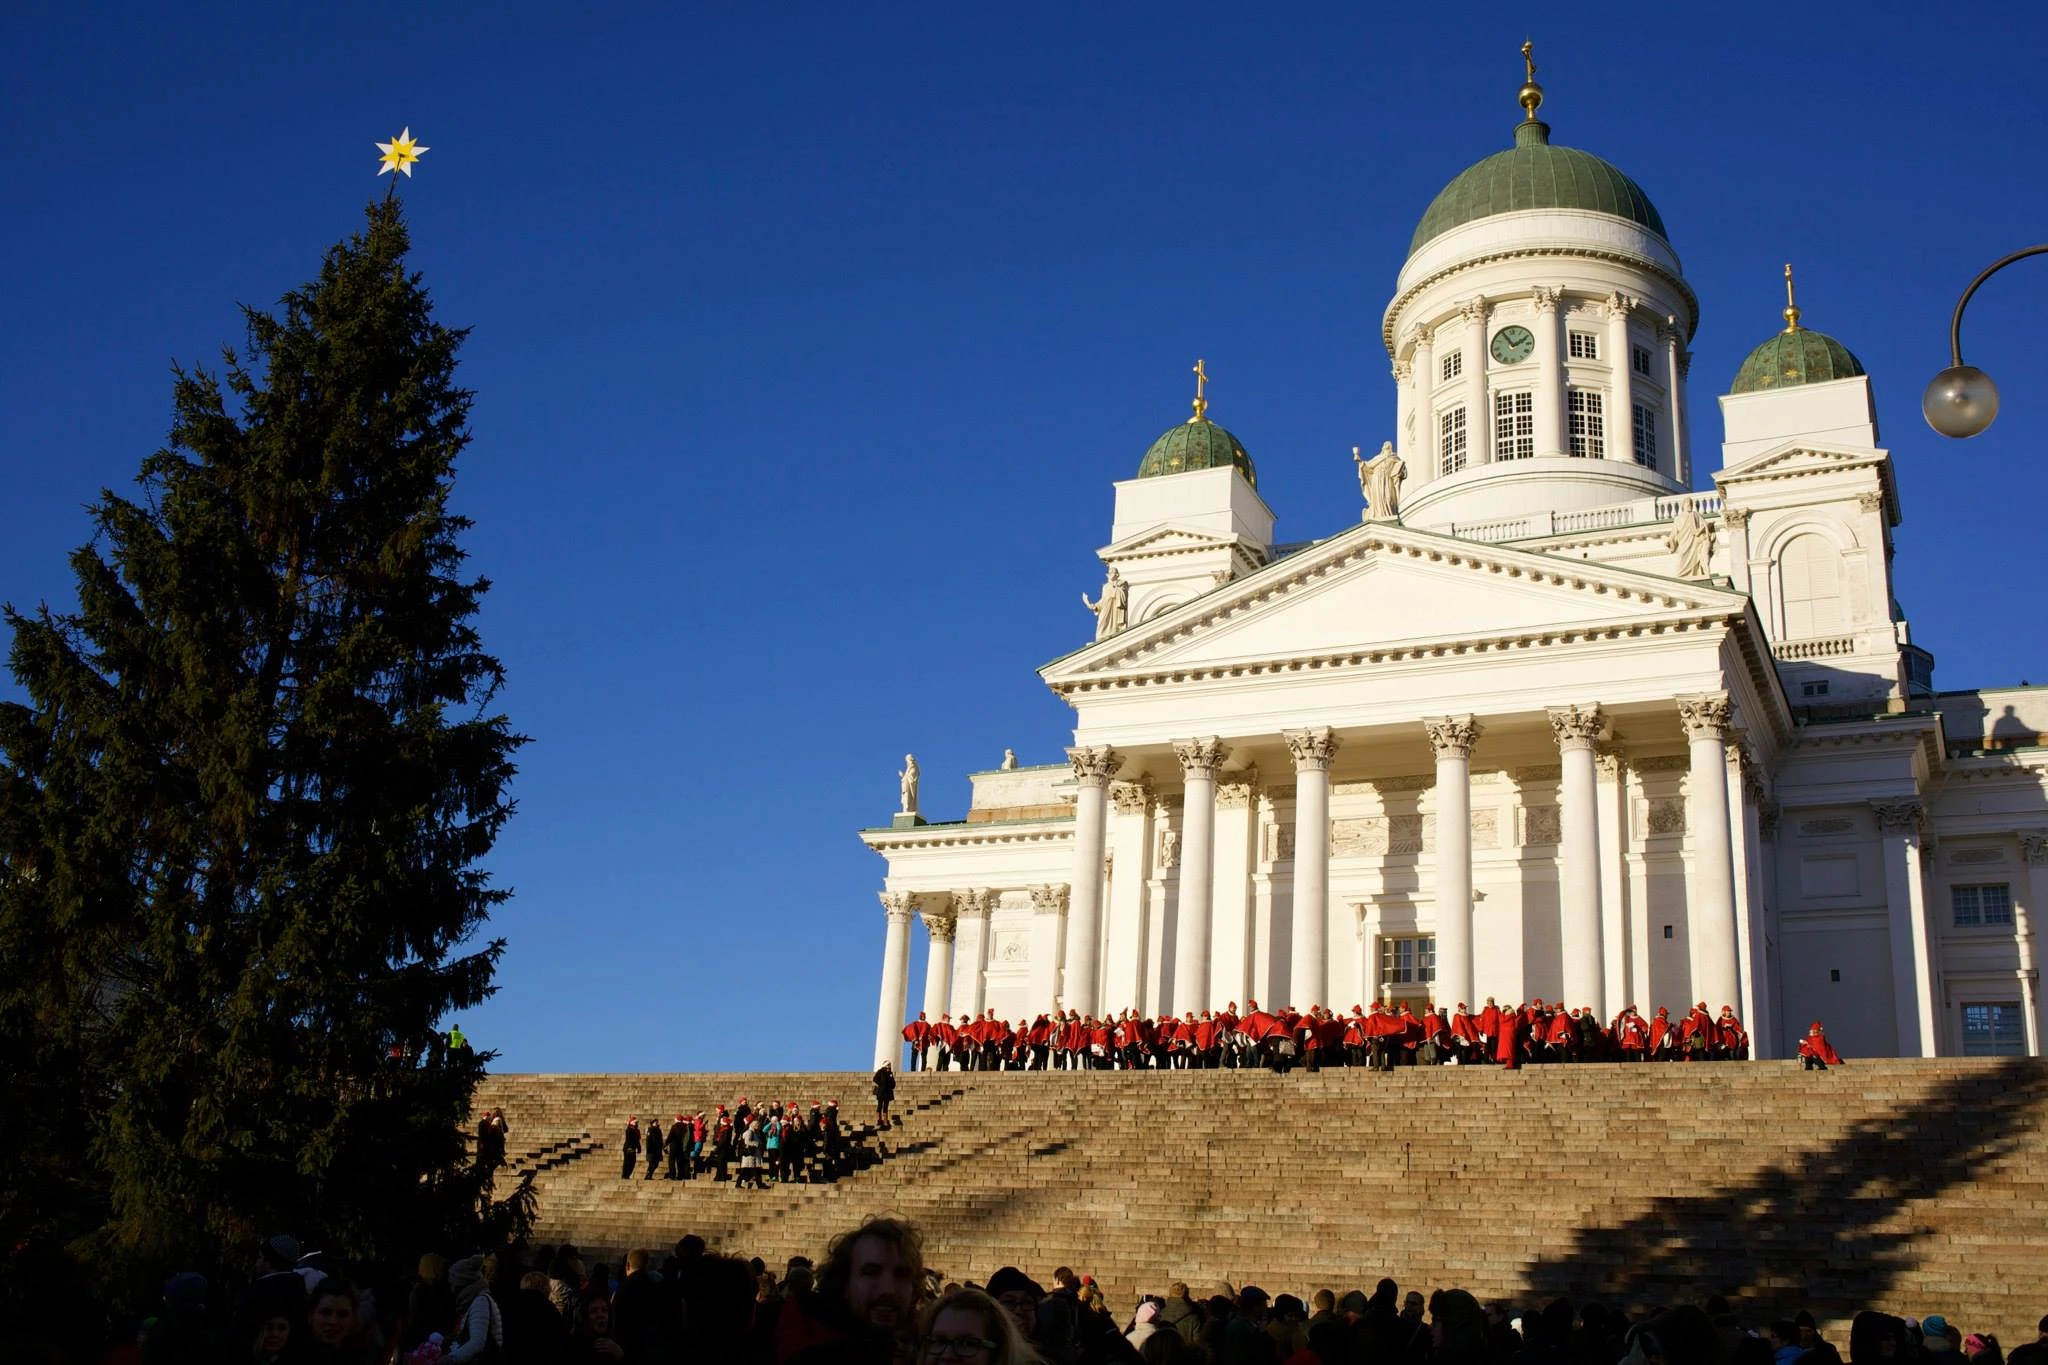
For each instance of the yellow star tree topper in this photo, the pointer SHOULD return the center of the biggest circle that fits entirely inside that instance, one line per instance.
(400, 153)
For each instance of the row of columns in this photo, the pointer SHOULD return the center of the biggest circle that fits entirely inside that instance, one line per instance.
(1712, 907)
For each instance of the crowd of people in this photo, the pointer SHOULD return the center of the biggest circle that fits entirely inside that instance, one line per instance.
(746, 1143)
(874, 1299)
(1382, 1037)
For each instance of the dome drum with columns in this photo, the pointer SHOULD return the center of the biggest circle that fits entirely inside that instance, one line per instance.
(1549, 722)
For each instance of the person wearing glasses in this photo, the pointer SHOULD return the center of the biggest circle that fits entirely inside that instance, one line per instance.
(968, 1325)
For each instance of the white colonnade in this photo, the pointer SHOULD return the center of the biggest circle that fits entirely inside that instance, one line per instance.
(1147, 922)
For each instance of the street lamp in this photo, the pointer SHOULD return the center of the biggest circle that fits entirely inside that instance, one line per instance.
(1962, 400)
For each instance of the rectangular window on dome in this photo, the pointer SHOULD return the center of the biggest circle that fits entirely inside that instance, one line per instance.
(1451, 448)
(1976, 906)
(1588, 424)
(1514, 425)
(1646, 436)
(1639, 359)
(1585, 346)
(1454, 365)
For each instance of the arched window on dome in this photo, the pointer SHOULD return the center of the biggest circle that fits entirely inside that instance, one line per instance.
(1810, 575)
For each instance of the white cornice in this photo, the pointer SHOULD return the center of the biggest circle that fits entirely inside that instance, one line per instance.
(1056, 830)
(1625, 258)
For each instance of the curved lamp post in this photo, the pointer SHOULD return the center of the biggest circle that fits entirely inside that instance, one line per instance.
(1962, 400)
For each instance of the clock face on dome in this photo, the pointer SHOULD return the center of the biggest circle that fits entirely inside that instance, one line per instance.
(1513, 345)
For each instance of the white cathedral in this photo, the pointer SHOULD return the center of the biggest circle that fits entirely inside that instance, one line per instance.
(1544, 723)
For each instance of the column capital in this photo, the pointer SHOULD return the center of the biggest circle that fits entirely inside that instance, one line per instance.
(1200, 757)
(1049, 900)
(940, 925)
(1134, 795)
(2034, 848)
(1619, 306)
(1705, 716)
(1545, 298)
(1452, 736)
(1311, 750)
(899, 905)
(1094, 764)
(1768, 813)
(1576, 727)
(1404, 370)
(1235, 790)
(1900, 817)
(1735, 518)
(973, 901)
(1473, 310)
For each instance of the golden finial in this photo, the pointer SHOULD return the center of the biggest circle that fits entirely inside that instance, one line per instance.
(1201, 403)
(1791, 306)
(1531, 96)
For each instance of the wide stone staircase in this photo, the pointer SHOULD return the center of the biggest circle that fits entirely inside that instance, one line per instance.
(1916, 1186)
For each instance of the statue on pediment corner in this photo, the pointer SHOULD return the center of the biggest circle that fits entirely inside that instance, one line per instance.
(1109, 608)
(1380, 480)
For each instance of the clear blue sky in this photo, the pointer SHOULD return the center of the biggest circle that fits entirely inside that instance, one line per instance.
(808, 340)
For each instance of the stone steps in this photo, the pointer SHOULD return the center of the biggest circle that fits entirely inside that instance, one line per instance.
(1917, 1186)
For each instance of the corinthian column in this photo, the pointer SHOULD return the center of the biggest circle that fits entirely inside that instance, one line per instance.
(1710, 917)
(895, 975)
(1621, 420)
(1548, 400)
(1578, 873)
(2035, 849)
(1906, 901)
(1478, 417)
(1308, 982)
(1199, 760)
(970, 987)
(1452, 737)
(1093, 767)
(938, 963)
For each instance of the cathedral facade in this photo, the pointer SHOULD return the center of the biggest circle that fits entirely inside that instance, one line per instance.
(1548, 721)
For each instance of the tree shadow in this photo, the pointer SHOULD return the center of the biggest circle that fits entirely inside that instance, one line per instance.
(1805, 1232)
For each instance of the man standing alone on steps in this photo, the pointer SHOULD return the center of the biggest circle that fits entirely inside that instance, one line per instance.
(885, 1093)
(678, 1148)
(629, 1147)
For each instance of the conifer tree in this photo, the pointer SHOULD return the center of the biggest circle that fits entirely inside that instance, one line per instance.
(244, 808)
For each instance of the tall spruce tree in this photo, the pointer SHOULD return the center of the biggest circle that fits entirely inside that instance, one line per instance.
(243, 811)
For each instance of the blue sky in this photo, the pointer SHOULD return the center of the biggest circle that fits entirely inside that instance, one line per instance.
(808, 340)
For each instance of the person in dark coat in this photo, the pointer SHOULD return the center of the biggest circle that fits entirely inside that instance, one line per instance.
(885, 1093)
(678, 1148)
(653, 1147)
(629, 1147)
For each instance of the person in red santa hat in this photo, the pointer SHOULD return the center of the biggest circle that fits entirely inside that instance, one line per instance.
(1816, 1053)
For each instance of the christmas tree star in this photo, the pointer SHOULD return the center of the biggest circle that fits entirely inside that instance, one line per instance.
(400, 153)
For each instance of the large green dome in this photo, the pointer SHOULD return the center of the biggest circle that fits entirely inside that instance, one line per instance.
(1798, 355)
(1535, 175)
(1196, 444)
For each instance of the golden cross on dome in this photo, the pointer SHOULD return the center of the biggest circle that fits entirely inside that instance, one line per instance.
(1791, 306)
(1201, 403)
(1528, 57)
(1530, 97)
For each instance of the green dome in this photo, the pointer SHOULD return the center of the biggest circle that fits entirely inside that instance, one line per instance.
(1535, 175)
(1196, 444)
(1799, 355)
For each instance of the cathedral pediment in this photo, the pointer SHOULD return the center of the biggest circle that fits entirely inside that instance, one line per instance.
(1167, 540)
(1805, 460)
(1383, 587)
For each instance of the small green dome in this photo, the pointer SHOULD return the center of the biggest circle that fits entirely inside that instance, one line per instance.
(1196, 444)
(1535, 175)
(1798, 355)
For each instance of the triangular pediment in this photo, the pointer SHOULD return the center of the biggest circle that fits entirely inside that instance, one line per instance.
(1797, 457)
(1167, 539)
(1384, 586)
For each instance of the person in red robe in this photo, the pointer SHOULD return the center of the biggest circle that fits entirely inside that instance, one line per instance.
(1663, 1036)
(1696, 1033)
(1507, 1048)
(1465, 1039)
(917, 1033)
(1489, 1028)
(1731, 1040)
(1632, 1034)
(1816, 1053)
(1561, 1035)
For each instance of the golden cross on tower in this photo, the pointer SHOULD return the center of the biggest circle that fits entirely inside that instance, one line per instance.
(1791, 306)
(1201, 403)
(1530, 97)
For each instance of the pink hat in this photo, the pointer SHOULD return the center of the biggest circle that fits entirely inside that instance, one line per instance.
(1147, 1311)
